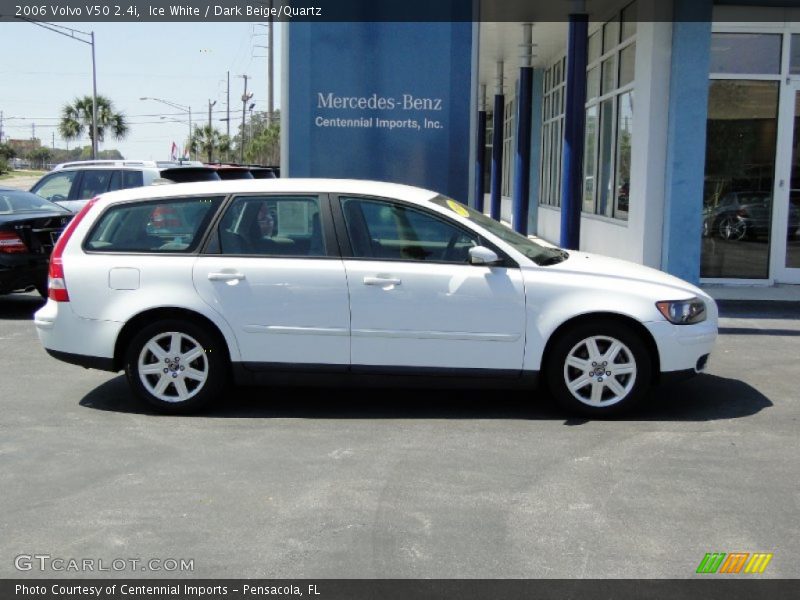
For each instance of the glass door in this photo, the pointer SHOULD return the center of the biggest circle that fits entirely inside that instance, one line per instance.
(786, 217)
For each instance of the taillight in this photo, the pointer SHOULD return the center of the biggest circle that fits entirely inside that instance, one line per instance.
(11, 243)
(56, 284)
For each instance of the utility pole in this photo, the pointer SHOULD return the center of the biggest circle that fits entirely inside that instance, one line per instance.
(33, 131)
(1, 126)
(245, 98)
(54, 140)
(270, 68)
(228, 108)
(75, 35)
(209, 137)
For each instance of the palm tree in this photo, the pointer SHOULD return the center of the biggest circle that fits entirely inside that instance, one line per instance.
(206, 139)
(76, 120)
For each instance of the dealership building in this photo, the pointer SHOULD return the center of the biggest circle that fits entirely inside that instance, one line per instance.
(662, 132)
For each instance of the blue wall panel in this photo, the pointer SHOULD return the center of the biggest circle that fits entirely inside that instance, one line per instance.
(384, 101)
(686, 138)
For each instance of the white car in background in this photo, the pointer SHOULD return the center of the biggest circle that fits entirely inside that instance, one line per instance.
(189, 285)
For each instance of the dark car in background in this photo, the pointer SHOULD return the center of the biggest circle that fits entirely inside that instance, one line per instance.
(229, 171)
(72, 184)
(259, 172)
(740, 215)
(29, 228)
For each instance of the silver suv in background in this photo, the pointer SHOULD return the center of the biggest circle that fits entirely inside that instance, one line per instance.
(71, 184)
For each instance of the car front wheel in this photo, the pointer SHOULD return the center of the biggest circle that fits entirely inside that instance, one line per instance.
(598, 369)
(175, 366)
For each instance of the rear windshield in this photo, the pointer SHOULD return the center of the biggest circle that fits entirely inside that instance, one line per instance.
(189, 174)
(13, 202)
(155, 226)
(227, 174)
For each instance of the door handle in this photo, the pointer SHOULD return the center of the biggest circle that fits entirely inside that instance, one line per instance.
(382, 281)
(226, 276)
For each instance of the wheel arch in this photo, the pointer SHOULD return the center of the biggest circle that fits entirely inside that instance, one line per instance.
(627, 320)
(133, 325)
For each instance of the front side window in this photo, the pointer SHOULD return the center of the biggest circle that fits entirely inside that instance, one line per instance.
(272, 226)
(170, 225)
(383, 230)
(55, 187)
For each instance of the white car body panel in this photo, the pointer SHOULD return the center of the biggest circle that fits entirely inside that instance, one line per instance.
(284, 310)
(415, 314)
(319, 311)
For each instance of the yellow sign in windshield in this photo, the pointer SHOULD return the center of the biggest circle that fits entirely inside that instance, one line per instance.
(458, 209)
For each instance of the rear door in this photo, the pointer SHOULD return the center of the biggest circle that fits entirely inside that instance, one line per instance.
(416, 302)
(273, 270)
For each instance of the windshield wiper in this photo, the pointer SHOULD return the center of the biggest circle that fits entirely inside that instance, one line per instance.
(554, 260)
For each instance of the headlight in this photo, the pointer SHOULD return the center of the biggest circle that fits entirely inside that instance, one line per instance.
(683, 312)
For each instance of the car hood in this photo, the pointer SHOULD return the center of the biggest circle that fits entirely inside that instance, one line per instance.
(624, 272)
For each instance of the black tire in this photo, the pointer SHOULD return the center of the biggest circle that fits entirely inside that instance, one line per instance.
(211, 362)
(634, 349)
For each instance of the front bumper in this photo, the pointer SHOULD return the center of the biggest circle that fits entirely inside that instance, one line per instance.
(683, 348)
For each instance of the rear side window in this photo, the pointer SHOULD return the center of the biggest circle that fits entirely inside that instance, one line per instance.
(170, 225)
(94, 183)
(272, 226)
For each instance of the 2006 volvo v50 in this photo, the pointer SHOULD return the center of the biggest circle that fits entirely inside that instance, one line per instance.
(189, 285)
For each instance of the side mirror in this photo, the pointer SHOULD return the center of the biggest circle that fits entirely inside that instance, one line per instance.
(482, 256)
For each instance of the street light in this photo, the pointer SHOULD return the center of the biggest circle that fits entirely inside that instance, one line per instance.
(72, 34)
(188, 109)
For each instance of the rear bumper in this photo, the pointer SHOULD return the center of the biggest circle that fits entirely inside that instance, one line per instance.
(87, 362)
(86, 342)
(22, 272)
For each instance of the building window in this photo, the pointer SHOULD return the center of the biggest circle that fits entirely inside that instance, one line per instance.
(743, 53)
(609, 116)
(552, 133)
(740, 170)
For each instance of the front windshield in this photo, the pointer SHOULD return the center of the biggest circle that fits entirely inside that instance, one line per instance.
(13, 202)
(540, 254)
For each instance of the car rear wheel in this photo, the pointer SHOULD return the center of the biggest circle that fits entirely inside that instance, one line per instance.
(176, 366)
(599, 368)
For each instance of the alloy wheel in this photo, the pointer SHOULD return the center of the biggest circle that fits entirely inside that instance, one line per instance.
(173, 366)
(600, 371)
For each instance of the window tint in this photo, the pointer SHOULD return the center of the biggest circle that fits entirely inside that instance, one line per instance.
(93, 183)
(272, 226)
(56, 186)
(386, 231)
(173, 225)
(132, 179)
(116, 181)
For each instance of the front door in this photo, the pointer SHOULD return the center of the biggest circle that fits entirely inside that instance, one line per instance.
(275, 275)
(416, 302)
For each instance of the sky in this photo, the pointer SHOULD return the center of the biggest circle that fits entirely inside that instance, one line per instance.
(185, 63)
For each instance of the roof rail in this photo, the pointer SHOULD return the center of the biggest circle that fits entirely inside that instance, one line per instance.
(106, 163)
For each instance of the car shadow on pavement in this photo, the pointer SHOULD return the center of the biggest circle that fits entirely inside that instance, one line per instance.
(704, 398)
(20, 307)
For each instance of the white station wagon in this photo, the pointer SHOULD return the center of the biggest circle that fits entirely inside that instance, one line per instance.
(323, 281)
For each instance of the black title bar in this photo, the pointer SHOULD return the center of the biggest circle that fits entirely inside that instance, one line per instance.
(354, 10)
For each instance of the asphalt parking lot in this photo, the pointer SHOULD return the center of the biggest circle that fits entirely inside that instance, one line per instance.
(404, 484)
